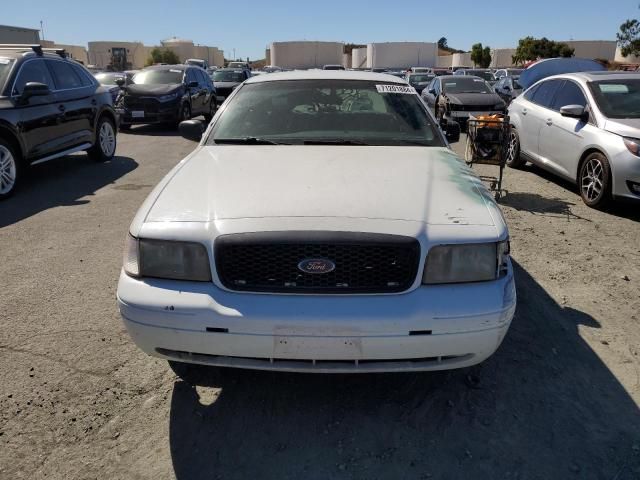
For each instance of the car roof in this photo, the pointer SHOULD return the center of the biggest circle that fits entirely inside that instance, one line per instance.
(327, 75)
(227, 69)
(601, 75)
(167, 67)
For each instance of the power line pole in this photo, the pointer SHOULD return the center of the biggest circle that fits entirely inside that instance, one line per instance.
(42, 29)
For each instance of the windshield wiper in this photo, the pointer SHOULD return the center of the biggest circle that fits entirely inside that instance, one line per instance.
(334, 142)
(248, 141)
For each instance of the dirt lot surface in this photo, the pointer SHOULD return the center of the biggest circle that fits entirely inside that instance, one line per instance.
(560, 398)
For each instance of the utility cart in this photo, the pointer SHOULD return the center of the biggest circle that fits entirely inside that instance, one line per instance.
(488, 144)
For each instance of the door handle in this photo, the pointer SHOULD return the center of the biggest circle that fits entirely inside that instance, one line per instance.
(524, 111)
(94, 102)
(61, 108)
(549, 122)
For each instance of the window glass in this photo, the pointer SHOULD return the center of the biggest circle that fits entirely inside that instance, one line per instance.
(319, 110)
(109, 78)
(545, 93)
(32, 71)
(191, 76)
(229, 76)
(464, 84)
(569, 94)
(5, 68)
(618, 98)
(530, 93)
(204, 78)
(158, 76)
(84, 75)
(64, 75)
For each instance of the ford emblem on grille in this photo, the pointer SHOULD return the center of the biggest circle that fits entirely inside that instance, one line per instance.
(316, 265)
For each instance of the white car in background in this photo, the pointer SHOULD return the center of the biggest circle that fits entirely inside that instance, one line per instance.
(322, 224)
(584, 127)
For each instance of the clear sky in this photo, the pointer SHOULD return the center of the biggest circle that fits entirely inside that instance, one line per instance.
(248, 26)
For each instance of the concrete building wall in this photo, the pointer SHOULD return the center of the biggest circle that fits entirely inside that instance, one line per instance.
(444, 61)
(605, 49)
(306, 54)
(461, 60)
(77, 52)
(501, 57)
(100, 53)
(9, 34)
(401, 55)
(628, 59)
(359, 58)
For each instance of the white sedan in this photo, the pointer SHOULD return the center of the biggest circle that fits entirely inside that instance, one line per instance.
(322, 224)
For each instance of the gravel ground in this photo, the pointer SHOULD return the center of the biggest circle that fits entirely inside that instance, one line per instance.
(560, 398)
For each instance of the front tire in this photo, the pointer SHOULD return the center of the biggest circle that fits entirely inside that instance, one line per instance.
(184, 114)
(594, 181)
(213, 106)
(514, 157)
(10, 170)
(105, 146)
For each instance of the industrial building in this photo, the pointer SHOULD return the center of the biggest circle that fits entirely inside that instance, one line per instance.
(397, 55)
(134, 55)
(594, 49)
(306, 54)
(9, 34)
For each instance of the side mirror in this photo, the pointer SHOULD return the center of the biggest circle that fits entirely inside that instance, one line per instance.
(192, 129)
(35, 89)
(432, 91)
(451, 131)
(121, 82)
(193, 84)
(574, 111)
(507, 88)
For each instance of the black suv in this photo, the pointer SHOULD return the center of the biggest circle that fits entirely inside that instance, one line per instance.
(167, 94)
(50, 106)
(226, 80)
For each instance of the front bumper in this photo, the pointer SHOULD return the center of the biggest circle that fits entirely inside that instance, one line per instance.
(166, 114)
(625, 168)
(430, 328)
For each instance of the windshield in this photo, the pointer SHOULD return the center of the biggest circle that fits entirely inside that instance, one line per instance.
(482, 74)
(5, 68)
(462, 84)
(108, 78)
(228, 76)
(158, 77)
(419, 78)
(326, 112)
(617, 98)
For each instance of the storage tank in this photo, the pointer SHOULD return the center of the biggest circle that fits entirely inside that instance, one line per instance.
(444, 61)
(306, 54)
(502, 57)
(359, 58)
(400, 55)
(461, 60)
(346, 60)
(604, 49)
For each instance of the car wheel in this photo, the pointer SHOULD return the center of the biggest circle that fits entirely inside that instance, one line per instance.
(10, 170)
(595, 180)
(212, 111)
(105, 146)
(514, 159)
(185, 113)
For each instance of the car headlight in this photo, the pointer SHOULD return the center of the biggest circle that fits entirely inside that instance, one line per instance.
(633, 145)
(166, 259)
(168, 97)
(476, 262)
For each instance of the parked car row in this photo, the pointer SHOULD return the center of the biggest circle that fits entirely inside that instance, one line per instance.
(50, 106)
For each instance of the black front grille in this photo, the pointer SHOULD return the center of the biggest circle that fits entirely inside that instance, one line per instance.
(223, 91)
(148, 105)
(473, 108)
(364, 263)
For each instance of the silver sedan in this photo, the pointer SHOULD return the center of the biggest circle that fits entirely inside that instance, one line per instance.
(584, 127)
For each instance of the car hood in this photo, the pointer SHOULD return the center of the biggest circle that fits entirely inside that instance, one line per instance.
(153, 90)
(627, 127)
(423, 184)
(474, 98)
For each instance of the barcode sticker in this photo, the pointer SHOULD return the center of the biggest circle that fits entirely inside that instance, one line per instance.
(396, 89)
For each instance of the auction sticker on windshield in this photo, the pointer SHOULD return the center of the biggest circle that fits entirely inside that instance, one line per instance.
(395, 89)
